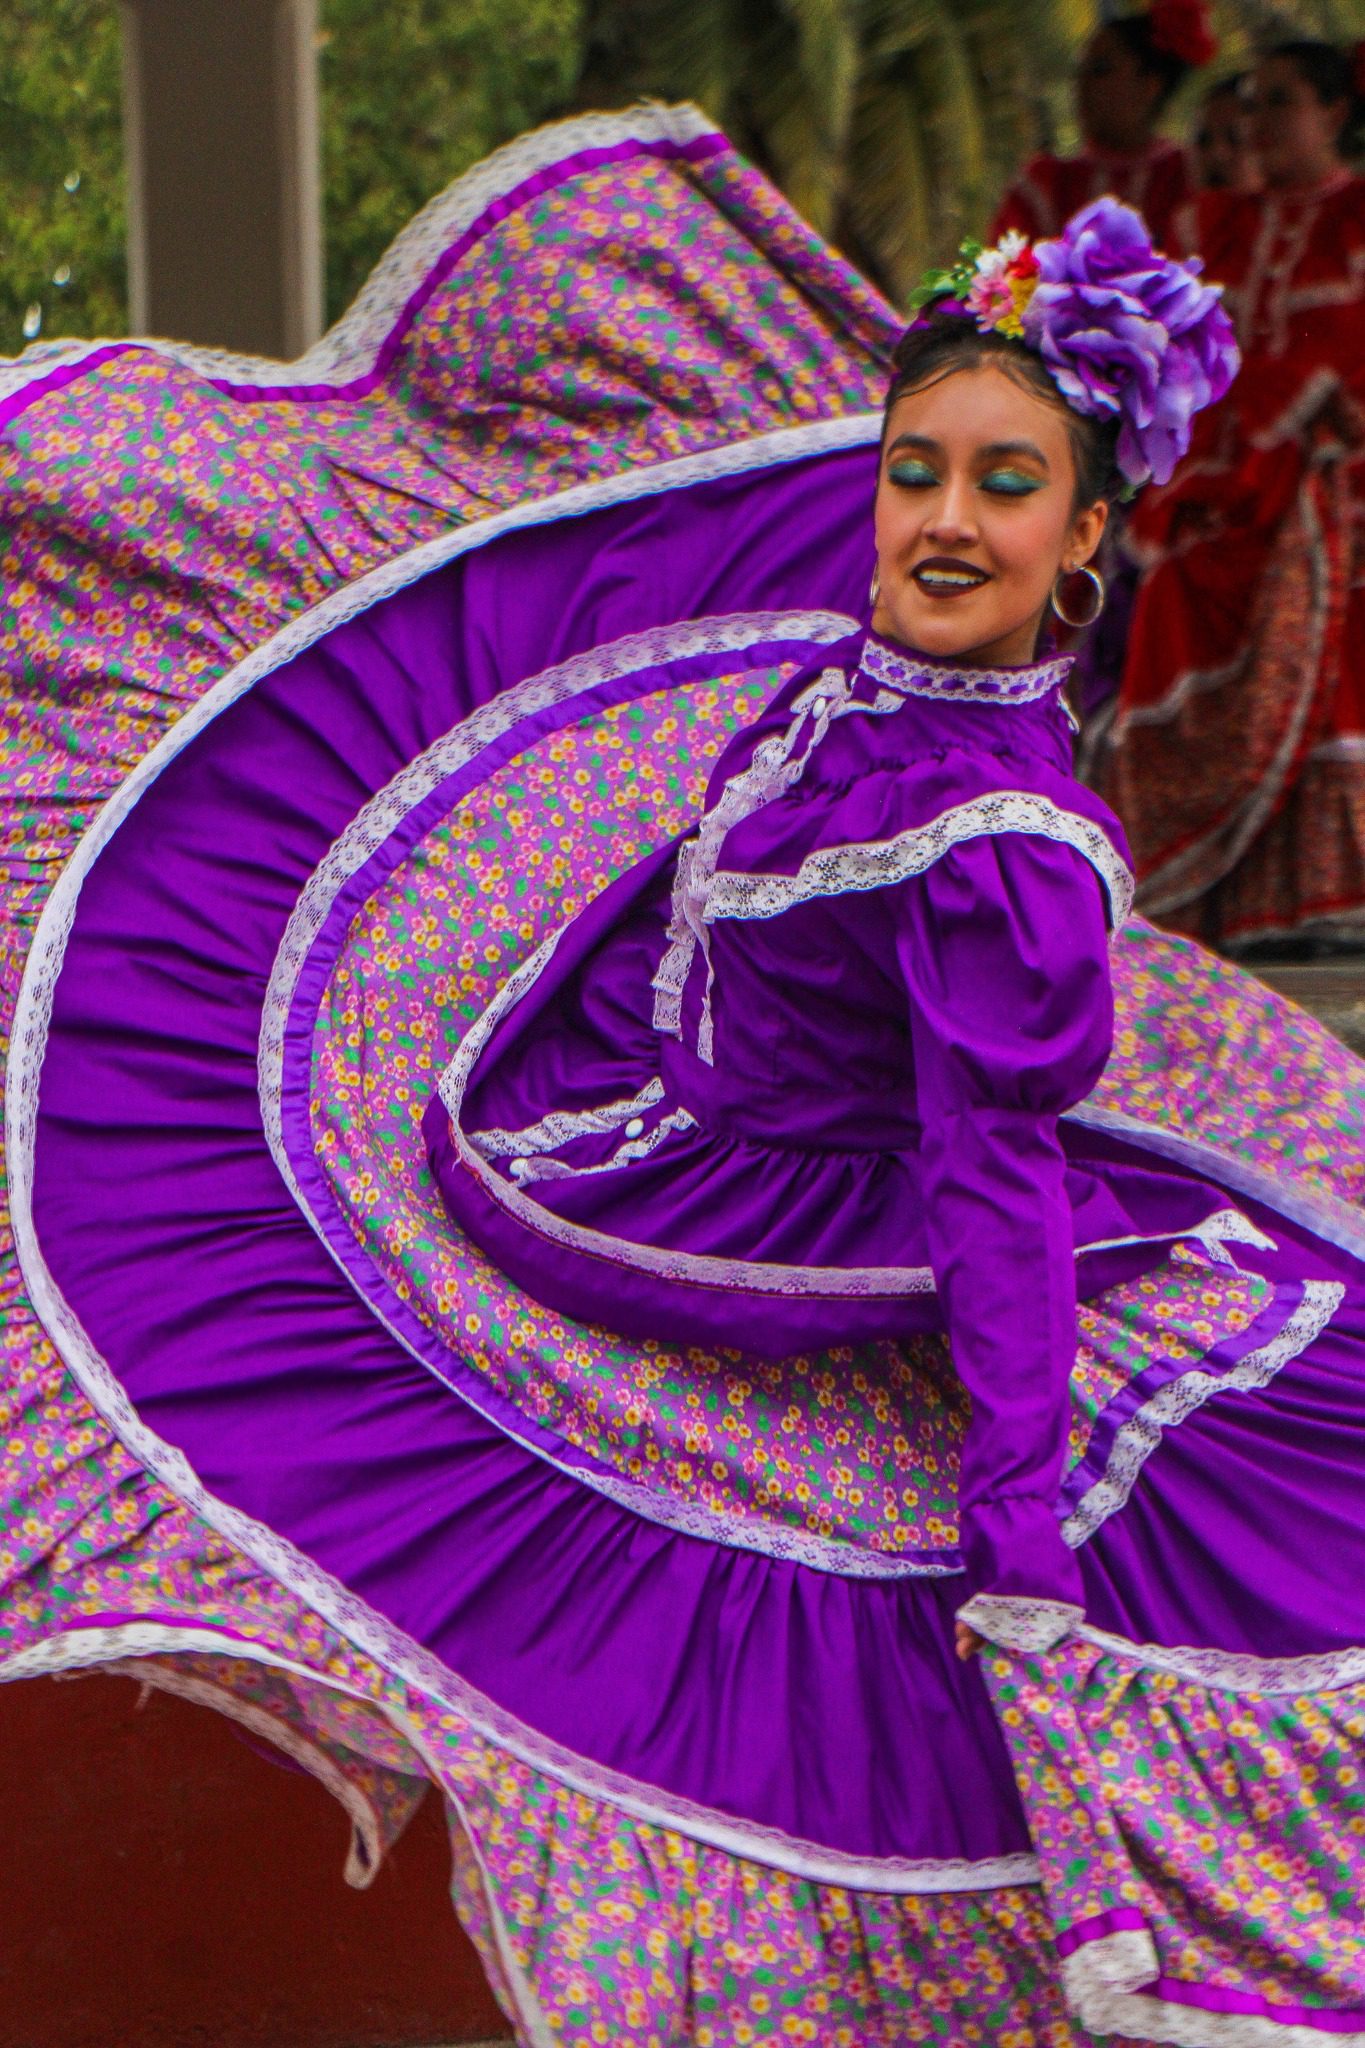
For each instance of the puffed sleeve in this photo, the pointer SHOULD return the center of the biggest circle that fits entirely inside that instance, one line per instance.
(1003, 945)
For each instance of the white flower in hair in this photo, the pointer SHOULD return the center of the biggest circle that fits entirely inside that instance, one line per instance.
(995, 262)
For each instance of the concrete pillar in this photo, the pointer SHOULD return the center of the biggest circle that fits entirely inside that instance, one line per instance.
(221, 142)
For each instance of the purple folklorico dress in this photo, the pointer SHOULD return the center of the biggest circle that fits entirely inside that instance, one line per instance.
(795, 1081)
(458, 750)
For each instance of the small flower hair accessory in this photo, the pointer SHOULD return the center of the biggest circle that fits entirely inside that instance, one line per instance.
(1126, 332)
(993, 286)
(1181, 29)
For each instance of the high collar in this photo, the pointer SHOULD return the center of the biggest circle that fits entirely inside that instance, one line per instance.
(893, 667)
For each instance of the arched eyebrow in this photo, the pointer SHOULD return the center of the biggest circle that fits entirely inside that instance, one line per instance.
(920, 442)
(994, 451)
(997, 450)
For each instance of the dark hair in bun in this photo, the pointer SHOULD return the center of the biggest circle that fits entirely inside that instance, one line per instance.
(941, 342)
(1136, 34)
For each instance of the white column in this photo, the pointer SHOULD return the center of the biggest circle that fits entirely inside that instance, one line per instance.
(221, 144)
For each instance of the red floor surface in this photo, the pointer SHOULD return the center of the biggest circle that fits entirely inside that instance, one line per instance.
(166, 1887)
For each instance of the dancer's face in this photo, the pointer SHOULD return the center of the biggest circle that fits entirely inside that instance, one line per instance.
(1296, 136)
(1117, 102)
(1222, 145)
(975, 517)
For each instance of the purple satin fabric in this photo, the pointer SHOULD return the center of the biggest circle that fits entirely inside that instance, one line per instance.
(889, 1065)
(831, 1709)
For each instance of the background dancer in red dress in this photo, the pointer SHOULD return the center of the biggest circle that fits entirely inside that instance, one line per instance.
(1224, 160)
(1239, 747)
(1128, 71)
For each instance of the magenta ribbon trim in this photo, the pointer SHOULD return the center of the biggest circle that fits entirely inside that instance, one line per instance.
(1206, 1997)
(695, 151)
(1099, 1926)
(1248, 2004)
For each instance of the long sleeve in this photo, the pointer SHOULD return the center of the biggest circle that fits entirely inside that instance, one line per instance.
(1003, 947)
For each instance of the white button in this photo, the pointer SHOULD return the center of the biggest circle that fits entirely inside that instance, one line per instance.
(817, 705)
(520, 1167)
(635, 1127)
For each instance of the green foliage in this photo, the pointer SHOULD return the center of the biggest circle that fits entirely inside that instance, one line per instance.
(413, 94)
(61, 171)
(892, 124)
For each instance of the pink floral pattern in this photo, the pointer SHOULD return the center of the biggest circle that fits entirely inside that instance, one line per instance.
(1233, 1823)
(1201, 1049)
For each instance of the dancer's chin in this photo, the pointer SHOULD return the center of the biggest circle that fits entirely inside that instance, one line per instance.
(949, 628)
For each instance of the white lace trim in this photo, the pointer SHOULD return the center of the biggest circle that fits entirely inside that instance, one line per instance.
(969, 685)
(1180, 1398)
(774, 768)
(1238, 1671)
(1017, 1622)
(634, 1149)
(87, 1648)
(1215, 1234)
(351, 347)
(1102, 1982)
(1325, 1214)
(879, 864)
(742, 1276)
(562, 1126)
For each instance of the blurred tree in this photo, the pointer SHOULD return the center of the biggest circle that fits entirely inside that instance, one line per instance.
(414, 94)
(61, 171)
(892, 124)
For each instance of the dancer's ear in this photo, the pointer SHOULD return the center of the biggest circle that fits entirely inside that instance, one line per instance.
(1087, 530)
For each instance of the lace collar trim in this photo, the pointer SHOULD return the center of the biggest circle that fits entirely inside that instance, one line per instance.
(914, 675)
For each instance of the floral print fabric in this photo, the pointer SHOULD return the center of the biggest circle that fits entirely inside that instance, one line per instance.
(858, 1446)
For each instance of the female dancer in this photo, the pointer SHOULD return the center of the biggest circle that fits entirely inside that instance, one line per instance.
(573, 516)
(1128, 72)
(1239, 747)
(885, 965)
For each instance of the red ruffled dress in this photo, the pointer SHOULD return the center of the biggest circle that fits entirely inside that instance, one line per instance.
(1049, 189)
(1238, 762)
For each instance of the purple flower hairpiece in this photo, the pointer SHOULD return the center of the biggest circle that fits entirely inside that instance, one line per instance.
(1129, 333)
(1126, 332)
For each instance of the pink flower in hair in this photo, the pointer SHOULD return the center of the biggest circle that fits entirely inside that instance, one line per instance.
(991, 299)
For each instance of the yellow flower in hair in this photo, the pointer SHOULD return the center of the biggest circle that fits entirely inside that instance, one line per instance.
(1022, 289)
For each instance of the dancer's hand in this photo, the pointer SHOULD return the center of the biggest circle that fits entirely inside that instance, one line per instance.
(967, 1641)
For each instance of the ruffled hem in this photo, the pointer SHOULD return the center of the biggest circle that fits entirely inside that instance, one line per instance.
(1200, 1826)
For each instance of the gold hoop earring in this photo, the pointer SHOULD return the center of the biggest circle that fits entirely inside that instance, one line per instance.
(876, 589)
(1097, 585)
